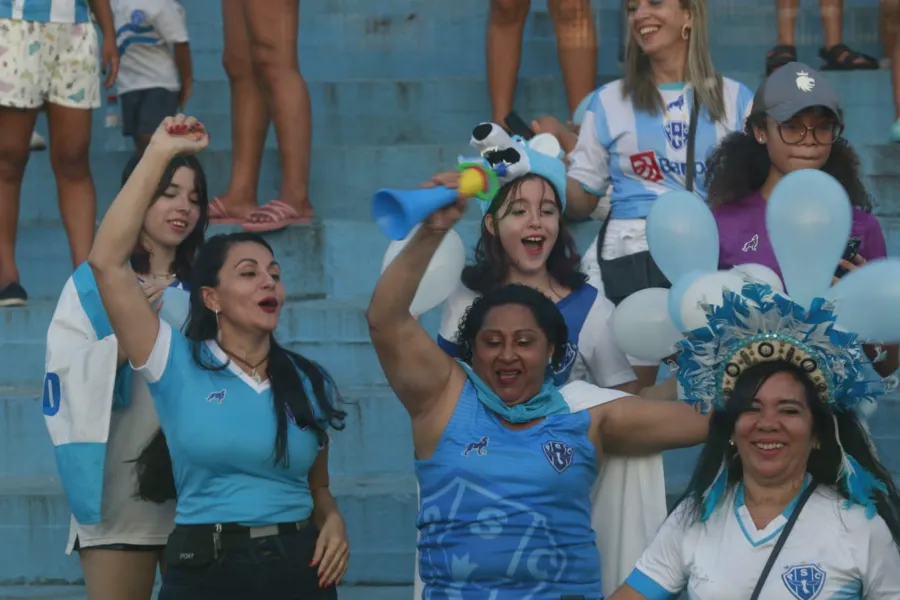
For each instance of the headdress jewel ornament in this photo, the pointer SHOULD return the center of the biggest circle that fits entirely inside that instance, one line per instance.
(760, 325)
(511, 157)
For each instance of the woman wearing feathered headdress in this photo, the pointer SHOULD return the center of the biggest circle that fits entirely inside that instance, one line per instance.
(788, 500)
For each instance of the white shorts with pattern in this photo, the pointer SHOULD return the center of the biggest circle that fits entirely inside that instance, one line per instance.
(54, 63)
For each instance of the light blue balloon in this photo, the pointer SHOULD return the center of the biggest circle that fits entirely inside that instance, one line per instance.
(641, 325)
(682, 235)
(676, 295)
(808, 218)
(867, 301)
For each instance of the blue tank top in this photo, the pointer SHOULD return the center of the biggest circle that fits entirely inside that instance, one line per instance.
(506, 514)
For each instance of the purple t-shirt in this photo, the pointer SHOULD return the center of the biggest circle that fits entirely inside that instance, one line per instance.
(743, 237)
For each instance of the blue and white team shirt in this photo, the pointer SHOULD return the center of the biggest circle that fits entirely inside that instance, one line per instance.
(643, 155)
(46, 11)
(220, 428)
(590, 350)
(832, 553)
(146, 30)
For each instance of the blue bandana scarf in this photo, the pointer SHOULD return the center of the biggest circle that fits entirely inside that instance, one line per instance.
(549, 401)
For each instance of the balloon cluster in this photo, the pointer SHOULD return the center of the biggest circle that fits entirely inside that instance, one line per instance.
(808, 219)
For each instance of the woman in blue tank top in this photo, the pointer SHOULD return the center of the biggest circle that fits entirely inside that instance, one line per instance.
(524, 239)
(505, 467)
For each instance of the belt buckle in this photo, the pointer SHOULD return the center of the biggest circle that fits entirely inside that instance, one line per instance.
(268, 530)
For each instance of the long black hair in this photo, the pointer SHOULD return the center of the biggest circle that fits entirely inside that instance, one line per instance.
(286, 370)
(182, 265)
(824, 462)
(545, 312)
(739, 167)
(491, 266)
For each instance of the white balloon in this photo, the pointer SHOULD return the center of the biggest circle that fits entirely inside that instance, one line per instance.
(642, 327)
(756, 273)
(707, 289)
(442, 275)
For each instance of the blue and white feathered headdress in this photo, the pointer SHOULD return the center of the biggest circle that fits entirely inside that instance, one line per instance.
(760, 325)
(511, 157)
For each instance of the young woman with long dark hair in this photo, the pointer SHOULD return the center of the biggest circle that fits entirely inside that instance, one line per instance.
(103, 417)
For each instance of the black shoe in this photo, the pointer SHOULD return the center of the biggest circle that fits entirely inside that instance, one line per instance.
(13, 295)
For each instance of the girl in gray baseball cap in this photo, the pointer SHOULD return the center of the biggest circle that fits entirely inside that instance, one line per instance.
(795, 123)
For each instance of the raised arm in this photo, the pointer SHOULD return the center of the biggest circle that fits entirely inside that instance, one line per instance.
(133, 320)
(637, 426)
(415, 367)
(588, 159)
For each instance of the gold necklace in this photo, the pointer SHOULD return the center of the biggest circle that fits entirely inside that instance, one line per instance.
(254, 369)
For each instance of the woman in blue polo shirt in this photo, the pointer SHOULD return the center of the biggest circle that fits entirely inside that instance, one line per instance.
(245, 419)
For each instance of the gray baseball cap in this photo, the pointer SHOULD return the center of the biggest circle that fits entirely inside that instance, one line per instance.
(793, 88)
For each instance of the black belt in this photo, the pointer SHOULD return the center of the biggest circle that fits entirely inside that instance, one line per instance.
(235, 533)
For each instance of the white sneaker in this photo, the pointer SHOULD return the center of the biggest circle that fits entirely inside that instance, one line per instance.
(37, 142)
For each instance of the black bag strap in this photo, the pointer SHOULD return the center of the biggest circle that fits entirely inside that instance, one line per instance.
(782, 539)
(692, 133)
(689, 176)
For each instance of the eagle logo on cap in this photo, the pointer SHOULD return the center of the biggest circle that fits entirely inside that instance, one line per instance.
(805, 83)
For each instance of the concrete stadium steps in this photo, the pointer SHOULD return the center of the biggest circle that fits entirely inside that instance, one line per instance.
(394, 38)
(384, 112)
(342, 257)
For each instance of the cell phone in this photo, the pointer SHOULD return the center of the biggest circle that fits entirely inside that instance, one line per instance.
(518, 126)
(850, 253)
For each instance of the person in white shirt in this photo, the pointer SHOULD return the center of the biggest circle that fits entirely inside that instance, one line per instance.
(635, 138)
(788, 500)
(155, 68)
(103, 424)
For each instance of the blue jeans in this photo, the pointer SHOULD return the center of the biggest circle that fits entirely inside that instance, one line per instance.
(275, 567)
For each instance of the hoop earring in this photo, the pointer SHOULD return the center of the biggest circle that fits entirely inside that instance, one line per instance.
(218, 329)
(685, 32)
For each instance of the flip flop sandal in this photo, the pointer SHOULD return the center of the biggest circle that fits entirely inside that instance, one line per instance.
(779, 56)
(273, 216)
(219, 215)
(841, 57)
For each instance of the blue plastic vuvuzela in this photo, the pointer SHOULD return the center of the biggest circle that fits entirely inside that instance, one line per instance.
(397, 212)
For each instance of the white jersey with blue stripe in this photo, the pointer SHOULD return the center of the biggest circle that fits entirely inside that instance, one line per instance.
(642, 154)
(833, 552)
(46, 11)
(146, 31)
